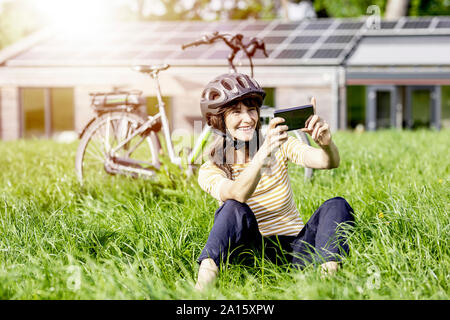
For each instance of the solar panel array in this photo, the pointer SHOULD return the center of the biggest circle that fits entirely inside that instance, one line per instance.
(309, 42)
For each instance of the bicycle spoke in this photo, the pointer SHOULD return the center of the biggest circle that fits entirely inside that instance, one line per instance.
(137, 153)
(106, 138)
(96, 156)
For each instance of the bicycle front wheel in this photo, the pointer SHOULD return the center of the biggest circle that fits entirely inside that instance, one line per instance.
(138, 156)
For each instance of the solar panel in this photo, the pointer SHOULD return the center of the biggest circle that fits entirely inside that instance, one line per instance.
(196, 27)
(286, 26)
(254, 27)
(223, 27)
(123, 42)
(291, 54)
(162, 54)
(147, 40)
(416, 24)
(388, 24)
(129, 28)
(305, 39)
(326, 54)
(318, 25)
(350, 25)
(274, 39)
(443, 24)
(190, 54)
(177, 40)
(219, 54)
(339, 39)
(89, 55)
(128, 54)
(166, 27)
(260, 55)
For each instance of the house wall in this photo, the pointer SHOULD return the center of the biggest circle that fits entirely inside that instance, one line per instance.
(9, 113)
(293, 86)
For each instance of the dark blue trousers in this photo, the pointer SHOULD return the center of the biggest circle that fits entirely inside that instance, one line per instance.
(322, 239)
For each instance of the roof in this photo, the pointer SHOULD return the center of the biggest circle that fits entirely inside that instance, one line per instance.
(402, 51)
(309, 42)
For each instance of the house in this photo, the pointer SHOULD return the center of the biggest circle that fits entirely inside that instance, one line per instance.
(375, 73)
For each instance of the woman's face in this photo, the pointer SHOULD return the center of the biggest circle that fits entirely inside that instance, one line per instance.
(241, 121)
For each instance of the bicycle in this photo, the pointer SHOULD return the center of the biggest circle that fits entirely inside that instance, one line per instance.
(120, 136)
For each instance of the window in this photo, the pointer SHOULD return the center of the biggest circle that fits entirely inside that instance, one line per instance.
(445, 105)
(269, 101)
(356, 105)
(62, 110)
(33, 106)
(421, 106)
(46, 111)
(152, 107)
(383, 109)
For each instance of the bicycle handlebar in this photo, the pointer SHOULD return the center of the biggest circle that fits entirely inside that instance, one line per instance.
(151, 69)
(195, 43)
(234, 43)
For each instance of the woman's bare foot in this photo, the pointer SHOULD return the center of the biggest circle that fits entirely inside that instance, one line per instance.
(207, 274)
(328, 268)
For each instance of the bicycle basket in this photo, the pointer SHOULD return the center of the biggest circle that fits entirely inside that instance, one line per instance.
(104, 101)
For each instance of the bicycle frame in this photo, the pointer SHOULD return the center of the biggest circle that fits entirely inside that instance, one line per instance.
(161, 115)
(199, 145)
(165, 122)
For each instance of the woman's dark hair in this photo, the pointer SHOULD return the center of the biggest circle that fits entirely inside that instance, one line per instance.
(218, 153)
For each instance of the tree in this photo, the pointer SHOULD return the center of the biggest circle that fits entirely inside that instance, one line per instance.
(208, 10)
(18, 19)
(356, 8)
(346, 8)
(429, 8)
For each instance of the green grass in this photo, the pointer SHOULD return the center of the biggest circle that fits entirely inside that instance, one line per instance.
(135, 239)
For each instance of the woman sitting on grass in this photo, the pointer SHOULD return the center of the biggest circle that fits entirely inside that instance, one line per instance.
(248, 176)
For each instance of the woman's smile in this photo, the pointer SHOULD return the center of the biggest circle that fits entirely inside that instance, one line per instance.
(246, 128)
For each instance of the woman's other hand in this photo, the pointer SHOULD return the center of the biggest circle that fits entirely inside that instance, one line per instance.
(317, 128)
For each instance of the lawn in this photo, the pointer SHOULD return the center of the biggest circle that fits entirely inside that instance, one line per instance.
(136, 239)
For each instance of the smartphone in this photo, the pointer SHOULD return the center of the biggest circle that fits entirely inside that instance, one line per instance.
(295, 117)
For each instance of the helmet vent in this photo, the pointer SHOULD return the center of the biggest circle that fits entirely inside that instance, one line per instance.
(227, 85)
(242, 82)
(213, 95)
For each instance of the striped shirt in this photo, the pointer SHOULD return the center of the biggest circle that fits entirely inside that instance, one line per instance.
(272, 201)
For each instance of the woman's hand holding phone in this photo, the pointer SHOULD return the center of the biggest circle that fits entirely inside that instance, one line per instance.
(276, 135)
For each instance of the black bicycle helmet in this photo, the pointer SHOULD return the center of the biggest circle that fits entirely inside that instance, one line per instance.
(227, 89)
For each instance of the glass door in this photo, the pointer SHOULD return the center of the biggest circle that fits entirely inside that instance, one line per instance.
(423, 107)
(381, 107)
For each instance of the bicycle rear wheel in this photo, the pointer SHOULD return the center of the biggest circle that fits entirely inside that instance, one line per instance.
(139, 156)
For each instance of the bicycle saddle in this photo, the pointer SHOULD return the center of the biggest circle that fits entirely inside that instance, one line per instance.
(151, 69)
